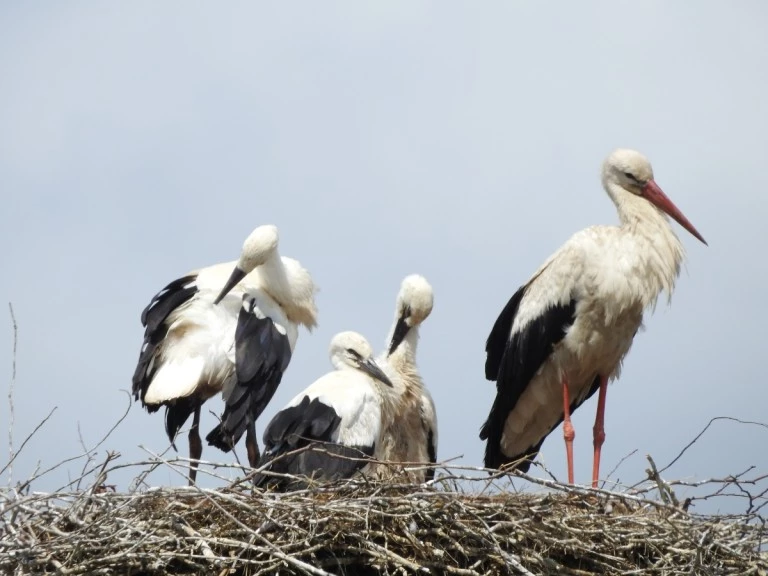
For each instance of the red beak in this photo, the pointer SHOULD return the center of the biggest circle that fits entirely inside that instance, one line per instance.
(656, 196)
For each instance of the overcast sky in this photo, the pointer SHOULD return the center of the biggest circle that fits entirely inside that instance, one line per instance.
(462, 141)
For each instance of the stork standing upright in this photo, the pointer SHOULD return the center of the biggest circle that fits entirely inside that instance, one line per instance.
(337, 420)
(412, 436)
(194, 348)
(564, 333)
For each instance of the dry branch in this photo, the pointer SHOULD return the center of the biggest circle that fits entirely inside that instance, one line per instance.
(456, 525)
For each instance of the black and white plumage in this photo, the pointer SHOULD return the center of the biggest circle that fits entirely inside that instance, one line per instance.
(563, 334)
(412, 437)
(262, 352)
(191, 329)
(335, 423)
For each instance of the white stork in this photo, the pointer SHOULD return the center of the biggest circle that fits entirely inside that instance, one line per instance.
(241, 344)
(337, 420)
(412, 437)
(564, 333)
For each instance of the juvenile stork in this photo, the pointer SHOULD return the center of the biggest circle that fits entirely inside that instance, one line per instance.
(564, 333)
(412, 436)
(197, 344)
(337, 420)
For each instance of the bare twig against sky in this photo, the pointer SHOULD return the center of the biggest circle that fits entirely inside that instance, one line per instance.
(10, 394)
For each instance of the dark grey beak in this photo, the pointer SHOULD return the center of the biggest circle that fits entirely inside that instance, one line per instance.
(401, 331)
(237, 275)
(372, 369)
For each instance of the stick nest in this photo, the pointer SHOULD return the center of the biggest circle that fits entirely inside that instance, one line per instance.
(363, 527)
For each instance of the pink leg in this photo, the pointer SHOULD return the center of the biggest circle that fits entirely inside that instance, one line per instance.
(599, 430)
(568, 432)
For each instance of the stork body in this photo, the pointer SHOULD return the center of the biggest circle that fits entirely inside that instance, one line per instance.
(565, 332)
(190, 342)
(336, 422)
(412, 436)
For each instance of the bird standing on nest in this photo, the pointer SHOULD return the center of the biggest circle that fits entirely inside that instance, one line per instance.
(412, 436)
(564, 333)
(227, 328)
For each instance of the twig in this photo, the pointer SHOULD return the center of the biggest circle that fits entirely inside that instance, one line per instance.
(27, 439)
(666, 493)
(620, 462)
(700, 434)
(12, 414)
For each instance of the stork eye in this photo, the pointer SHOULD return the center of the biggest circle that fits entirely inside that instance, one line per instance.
(632, 177)
(353, 353)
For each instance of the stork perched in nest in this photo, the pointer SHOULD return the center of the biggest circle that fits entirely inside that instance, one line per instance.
(412, 436)
(562, 336)
(228, 328)
(332, 427)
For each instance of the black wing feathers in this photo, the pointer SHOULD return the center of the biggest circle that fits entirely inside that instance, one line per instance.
(432, 452)
(153, 318)
(177, 412)
(497, 340)
(309, 420)
(262, 354)
(167, 300)
(308, 428)
(522, 356)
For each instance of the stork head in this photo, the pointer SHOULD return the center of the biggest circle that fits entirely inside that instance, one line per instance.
(631, 172)
(350, 350)
(414, 304)
(260, 246)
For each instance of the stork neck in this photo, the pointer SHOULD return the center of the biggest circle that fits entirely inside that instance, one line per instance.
(403, 360)
(274, 279)
(405, 353)
(292, 291)
(659, 250)
(635, 210)
(404, 380)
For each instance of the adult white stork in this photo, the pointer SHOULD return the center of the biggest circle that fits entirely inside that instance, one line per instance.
(336, 422)
(412, 436)
(564, 333)
(197, 344)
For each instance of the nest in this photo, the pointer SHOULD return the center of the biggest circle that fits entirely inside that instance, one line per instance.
(454, 525)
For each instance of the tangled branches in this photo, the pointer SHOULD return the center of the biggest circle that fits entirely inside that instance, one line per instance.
(460, 524)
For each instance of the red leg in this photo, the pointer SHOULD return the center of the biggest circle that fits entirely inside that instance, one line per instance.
(568, 432)
(599, 430)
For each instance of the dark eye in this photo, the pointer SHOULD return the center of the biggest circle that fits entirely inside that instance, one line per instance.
(353, 353)
(632, 177)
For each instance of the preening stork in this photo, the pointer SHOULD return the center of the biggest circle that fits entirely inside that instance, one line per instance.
(197, 344)
(564, 333)
(412, 437)
(337, 420)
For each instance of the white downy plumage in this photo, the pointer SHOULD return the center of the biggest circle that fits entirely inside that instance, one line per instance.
(412, 437)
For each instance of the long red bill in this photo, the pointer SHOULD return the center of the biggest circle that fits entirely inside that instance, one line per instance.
(656, 196)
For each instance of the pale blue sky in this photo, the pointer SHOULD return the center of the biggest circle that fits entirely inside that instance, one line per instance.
(461, 141)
